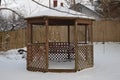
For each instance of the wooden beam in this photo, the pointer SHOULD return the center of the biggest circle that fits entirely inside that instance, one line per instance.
(36, 20)
(61, 22)
(84, 21)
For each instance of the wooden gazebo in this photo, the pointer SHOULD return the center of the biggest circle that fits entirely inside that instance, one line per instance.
(54, 41)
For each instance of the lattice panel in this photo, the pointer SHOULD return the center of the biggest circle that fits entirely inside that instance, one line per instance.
(36, 58)
(61, 51)
(85, 56)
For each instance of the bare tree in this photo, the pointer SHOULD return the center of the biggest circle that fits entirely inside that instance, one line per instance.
(70, 2)
(109, 8)
(13, 21)
(91, 1)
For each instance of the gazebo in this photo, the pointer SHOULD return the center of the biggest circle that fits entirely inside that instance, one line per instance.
(59, 41)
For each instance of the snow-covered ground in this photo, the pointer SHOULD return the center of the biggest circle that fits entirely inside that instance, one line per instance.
(106, 66)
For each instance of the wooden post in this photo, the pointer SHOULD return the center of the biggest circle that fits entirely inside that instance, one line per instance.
(68, 33)
(86, 34)
(29, 33)
(91, 39)
(76, 45)
(68, 41)
(29, 42)
(47, 43)
(91, 30)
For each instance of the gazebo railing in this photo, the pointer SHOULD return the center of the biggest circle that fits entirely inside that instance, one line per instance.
(85, 56)
(36, 57)
(61, 51)
(58, 51)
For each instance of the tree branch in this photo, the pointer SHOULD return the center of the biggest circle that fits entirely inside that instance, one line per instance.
(11, 10)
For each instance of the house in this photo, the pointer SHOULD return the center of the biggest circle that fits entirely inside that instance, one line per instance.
(86, 9)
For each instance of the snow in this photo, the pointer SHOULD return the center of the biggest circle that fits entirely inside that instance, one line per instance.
(59, 65)
(61, 12)
(28, 8)
(25, 7)
(106, 66)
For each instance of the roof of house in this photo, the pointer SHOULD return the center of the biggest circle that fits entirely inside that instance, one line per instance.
(91, 8)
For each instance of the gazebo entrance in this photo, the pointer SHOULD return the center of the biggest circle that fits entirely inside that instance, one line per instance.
(61, 48)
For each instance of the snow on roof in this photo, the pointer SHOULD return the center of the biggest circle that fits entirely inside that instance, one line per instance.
(59, 12)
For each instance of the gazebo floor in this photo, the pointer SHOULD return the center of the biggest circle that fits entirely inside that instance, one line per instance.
(62, 65)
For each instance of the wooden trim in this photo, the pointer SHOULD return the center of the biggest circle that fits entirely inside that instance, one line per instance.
(36, 20)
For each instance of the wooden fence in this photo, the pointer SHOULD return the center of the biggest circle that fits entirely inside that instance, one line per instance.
(12, 39)
(103, 31)
(106, 31)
